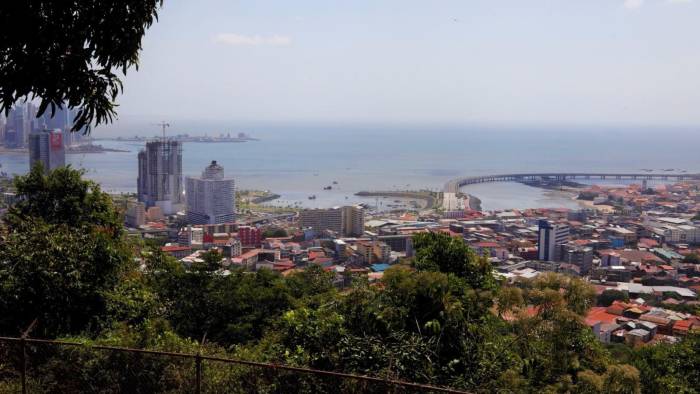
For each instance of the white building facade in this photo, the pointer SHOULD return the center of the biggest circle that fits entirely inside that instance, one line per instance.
(211, 198)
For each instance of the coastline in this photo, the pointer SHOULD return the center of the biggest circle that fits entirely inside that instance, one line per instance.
(427, 197)
(474, 202)
(13, 150)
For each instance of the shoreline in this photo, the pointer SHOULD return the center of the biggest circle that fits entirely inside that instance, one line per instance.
(24, 151)
(474, 202)
(426, 197)
(13, 150)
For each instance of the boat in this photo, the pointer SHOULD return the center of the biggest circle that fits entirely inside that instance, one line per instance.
(312, 197)
(328, 188)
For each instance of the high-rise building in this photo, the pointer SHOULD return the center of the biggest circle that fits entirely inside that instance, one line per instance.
(60, 120)
(550, 238)
(346, 221)
(2, 127)
(211, 198)
(14, 128)
(160, 175)
(46, 147)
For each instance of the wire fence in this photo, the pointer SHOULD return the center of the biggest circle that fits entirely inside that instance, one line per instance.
(30, 365)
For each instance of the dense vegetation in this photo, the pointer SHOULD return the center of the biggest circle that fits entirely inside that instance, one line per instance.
(66, 262)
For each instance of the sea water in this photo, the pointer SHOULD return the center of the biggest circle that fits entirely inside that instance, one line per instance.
(297, 161)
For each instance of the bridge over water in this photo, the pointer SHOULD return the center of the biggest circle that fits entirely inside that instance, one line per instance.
(452, 187)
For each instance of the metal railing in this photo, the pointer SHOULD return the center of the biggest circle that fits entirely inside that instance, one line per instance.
(286, 377)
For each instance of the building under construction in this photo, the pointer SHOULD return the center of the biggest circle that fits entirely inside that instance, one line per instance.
(160, 176)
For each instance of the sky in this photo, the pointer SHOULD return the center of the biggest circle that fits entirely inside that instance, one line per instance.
(509, 62)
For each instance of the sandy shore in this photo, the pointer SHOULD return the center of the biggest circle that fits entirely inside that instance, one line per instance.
(572, 193)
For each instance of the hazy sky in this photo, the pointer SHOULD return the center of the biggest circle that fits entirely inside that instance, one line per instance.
(461, 61)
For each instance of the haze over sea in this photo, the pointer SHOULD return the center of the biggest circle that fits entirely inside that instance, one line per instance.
(296, 160)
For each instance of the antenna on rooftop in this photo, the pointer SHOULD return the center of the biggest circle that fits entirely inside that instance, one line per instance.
(163, 125)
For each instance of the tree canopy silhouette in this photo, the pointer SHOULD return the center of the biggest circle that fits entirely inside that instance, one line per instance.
(70, 53)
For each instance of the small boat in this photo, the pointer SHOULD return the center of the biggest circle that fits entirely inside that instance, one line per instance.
(328, 188)
(312, 197)
(335, 182)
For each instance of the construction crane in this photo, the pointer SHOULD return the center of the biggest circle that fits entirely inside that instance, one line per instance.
(163, 125)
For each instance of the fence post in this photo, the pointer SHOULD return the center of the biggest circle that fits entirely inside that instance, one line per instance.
(23, 367)
(198, 377)
(23, 357)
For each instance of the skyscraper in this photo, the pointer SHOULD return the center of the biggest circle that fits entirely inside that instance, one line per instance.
(46, 147)
(550, 239)
(15, 127)
(211, 198)
(160, 175)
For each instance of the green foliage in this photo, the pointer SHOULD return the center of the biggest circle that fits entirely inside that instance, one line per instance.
(274, 232)
(82, 369)
(607, 297)
(552, 341)
(589, 382)
(509, 298)
(579, 295)
(440, 252)
(621, 379)
(63, 198)
(228, 309)
(312, 286)
(670, 368)
(692, 258)
(64, 252)
(72, 54)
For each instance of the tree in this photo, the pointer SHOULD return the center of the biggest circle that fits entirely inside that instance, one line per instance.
(670, 368)
(440, 252)
(692, 258)
(274, 232)
(579, 295)
(607, 297)
(621, 379)
(63, 197)
(508, 298)
(72, 53)
(589, 382)
(63, 254)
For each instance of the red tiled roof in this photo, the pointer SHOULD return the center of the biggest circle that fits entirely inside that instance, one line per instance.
(316, 254)
(486, 244)
(683, 325)
(600, 313)
(250, 254)
(175, 248)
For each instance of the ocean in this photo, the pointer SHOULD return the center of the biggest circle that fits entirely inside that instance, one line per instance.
(297, 161)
